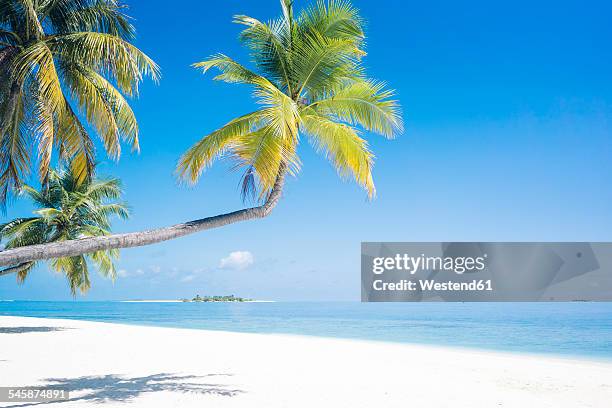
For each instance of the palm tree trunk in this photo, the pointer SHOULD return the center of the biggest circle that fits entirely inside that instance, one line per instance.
(81, 246)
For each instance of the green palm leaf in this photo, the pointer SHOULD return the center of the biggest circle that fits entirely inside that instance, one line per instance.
(268, 44)
(334, 19)
(202, 154)
(342, 145)
(309, 78)
(364, 103)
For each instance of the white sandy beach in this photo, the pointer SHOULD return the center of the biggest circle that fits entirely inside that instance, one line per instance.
(132, 366)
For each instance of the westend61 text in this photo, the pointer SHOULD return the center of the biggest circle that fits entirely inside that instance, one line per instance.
(432, 285)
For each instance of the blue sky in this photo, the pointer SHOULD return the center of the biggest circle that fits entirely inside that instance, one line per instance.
(507, 110)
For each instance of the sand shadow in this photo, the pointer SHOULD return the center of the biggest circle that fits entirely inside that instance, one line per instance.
(116, 388)
(29, 329)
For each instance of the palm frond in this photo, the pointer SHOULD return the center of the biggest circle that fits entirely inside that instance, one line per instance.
(269, 48)
(23, 273)
(105, 262)
(259, 154)
(105, 16)
(16, 226)
(106, 53)
(322, 63)
(9, 38)
(341, 144)
(40, 199)
(91, 96)
(11, 16)
(76, 271)
(125, 119)
(104, 189)
(203, 153)
(75, 145)
(333, 19)
(234, 72)
(36, 63)
(364, 103)
(89, 230)
(280, 113)
(14, 147)
(120, 210)
(23, 232)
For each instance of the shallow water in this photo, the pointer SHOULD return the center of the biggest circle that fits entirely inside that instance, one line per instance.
(569, 329)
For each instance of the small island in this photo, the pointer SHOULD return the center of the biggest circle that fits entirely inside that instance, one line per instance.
(230, 298)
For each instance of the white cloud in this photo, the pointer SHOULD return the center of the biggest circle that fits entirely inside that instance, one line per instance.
(122, 273)
(187, 278)
(237, 260)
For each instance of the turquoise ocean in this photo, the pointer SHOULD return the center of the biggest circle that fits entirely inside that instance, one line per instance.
(577, 329)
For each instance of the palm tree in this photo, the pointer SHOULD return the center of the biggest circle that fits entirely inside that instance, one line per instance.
(309, 81)
(68, 210)
(62, 61)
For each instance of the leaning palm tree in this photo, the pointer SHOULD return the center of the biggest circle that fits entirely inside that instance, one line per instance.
(68, 209)
(309, 81)
(62, 61)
